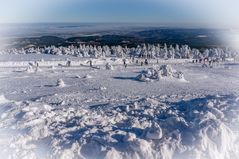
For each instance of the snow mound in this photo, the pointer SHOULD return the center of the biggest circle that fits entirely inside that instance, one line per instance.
(203, 127)
(32, 69)
(164, 71)
(108, 66)
(77, 76)
(102, 88)
(60, 83)
(3, 99)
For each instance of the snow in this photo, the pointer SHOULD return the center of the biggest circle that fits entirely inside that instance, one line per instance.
(108, 66)
(60, 83)
(164, 71)
(103, 113)
(143, 50)
(88, 76)
(3, 99)
(194, 129)
(154, 132)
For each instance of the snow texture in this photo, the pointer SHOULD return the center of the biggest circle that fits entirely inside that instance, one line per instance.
(204, 127)
(81, 112)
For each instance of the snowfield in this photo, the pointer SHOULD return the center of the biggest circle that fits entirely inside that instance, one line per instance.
(181, 111)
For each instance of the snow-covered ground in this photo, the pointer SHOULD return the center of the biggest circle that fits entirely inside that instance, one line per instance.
(56, 111)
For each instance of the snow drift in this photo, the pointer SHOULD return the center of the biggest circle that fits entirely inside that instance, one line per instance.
(205, 127)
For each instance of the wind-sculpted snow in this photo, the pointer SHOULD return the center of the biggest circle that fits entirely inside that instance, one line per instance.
(203, 127)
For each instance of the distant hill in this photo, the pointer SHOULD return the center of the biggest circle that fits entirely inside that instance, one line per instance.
(197, 38)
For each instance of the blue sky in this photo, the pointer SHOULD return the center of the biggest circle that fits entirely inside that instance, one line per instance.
(197, 12)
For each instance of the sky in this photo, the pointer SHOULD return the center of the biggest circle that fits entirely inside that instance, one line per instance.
(215, 13)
